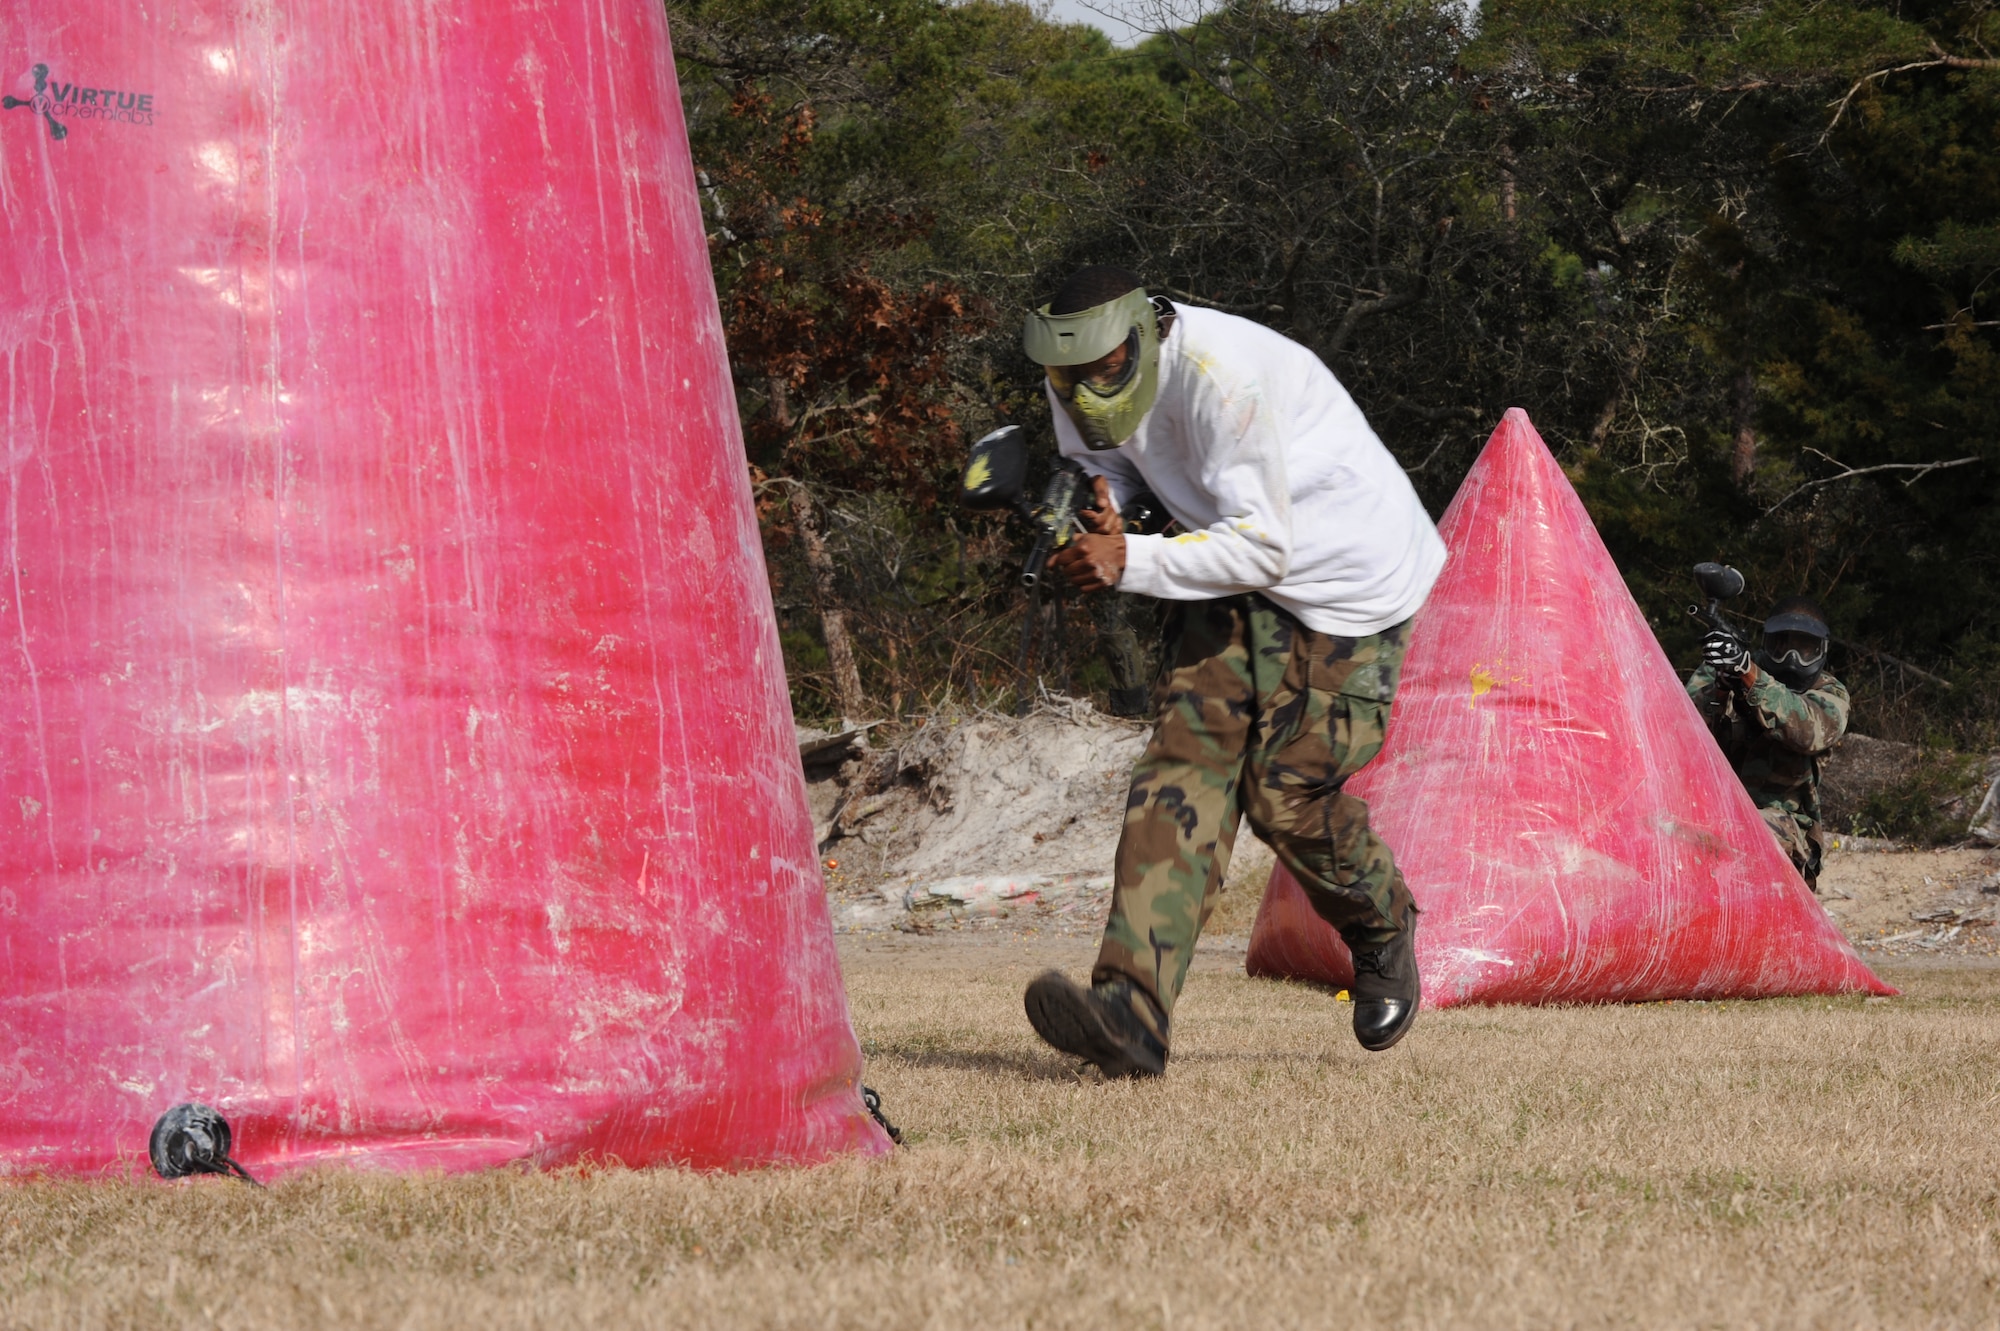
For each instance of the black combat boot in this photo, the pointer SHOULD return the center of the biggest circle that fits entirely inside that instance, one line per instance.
(1099, 1025)
(1385, 987)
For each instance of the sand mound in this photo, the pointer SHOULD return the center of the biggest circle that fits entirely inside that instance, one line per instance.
(1030, 798)
(973, 816)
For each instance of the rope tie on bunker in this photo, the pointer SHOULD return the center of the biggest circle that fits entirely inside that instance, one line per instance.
(873, 1099)
(194, 1139)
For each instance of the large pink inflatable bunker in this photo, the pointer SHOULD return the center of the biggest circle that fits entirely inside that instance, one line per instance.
(396, 748)
(1568, 826)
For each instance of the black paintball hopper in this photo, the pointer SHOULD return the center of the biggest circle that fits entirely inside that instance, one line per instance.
(996, 472)
(1718, 582)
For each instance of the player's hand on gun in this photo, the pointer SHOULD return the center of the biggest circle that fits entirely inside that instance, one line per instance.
(1101, 514)
(1094, 559)
(1725, 657)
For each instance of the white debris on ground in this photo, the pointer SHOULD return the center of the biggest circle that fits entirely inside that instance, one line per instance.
(1986, 818)
(1907, 902)
(977, 816)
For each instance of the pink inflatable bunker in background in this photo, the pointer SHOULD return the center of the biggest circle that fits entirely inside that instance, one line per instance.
(396, 748)
(1568, 826)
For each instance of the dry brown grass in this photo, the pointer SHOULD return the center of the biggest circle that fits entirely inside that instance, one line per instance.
(1806, 1163)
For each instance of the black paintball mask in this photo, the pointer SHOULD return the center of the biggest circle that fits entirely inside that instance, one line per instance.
(1795, 638)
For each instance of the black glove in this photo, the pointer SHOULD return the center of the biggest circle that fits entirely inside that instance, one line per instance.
(1724, 656)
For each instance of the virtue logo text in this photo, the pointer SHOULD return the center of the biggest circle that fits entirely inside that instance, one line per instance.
(58, 102)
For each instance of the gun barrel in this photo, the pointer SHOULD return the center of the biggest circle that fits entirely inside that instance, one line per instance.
(1038, 557)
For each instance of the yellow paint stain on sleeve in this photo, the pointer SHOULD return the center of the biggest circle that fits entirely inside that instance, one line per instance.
(1191, 538)
(1483, 681)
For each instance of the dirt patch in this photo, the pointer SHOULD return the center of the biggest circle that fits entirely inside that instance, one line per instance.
(1910, 902)
(978, 822)
(979, 793)
(1022, 814)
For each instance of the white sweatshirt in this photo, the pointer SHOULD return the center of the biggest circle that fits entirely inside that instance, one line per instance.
(1258, 451)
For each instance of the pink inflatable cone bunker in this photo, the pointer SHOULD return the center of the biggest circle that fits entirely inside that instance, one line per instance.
(1568, 826)
(396, 745)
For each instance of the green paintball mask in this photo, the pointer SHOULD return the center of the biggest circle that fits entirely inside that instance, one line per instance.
(1105, 394)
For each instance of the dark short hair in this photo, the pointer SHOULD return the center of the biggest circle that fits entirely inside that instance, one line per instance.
(1090, 287)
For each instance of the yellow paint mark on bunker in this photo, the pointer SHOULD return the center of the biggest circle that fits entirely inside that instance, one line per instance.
(1483, 681)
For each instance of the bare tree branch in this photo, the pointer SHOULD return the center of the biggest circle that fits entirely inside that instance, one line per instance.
(1940, 59)
(1918, 471)
(1362, 309)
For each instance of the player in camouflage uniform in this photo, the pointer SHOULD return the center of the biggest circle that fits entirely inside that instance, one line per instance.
(1776, 715)
(1304, 554)
(1260, 716)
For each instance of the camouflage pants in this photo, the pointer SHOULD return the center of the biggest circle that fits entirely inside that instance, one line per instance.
(1258, 716)
(1800, 838)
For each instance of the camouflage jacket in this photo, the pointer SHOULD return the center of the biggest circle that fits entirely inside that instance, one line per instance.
(1772, 735)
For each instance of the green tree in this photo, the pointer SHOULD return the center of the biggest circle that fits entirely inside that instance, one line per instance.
(1782, 172)
(881, 183)
(1737, 259)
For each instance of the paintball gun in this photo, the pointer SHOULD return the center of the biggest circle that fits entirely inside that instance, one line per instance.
(1719, 583)
(1054, 518)
(996, 476)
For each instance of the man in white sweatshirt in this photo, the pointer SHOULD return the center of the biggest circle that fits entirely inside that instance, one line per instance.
(1304, 556)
